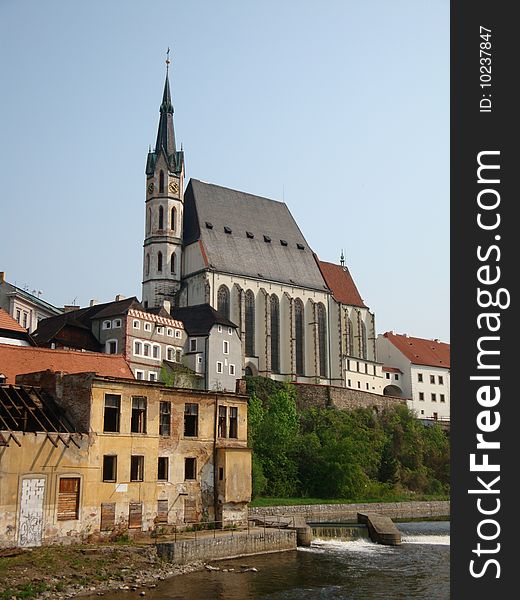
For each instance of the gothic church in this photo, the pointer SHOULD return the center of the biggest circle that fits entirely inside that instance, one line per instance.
(299, 318)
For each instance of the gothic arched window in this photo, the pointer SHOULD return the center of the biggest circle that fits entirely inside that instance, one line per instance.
(161, 217)
(159, 262)
(172, 220)
(275, 334)
(223, 300)
(363, 340)
(350, 337)
(250, 323)
(172, 264)
(149, 220)
(161, 182)
(322, 338)
(299, 336)
(147, 264)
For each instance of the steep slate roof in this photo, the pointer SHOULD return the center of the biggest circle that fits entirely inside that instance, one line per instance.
(15, 360)
(341, 284)
(225, 220)
(419, 351)
(199, 319)
(9, 324)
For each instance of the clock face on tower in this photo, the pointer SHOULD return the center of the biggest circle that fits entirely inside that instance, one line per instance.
(173, 187)
(150, 187)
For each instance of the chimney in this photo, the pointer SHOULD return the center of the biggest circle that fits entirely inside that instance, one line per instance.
(167, 306)
(2, 276)
(93, 302)
(69, 308)
(120, 297)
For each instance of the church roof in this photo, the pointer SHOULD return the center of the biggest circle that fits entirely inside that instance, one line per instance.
(341, 284)
(199, 319)
(248, 235)
(419, 351)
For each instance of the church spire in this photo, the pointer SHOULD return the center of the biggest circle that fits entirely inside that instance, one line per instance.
(165, 142)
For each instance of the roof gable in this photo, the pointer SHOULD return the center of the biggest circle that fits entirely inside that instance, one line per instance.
(9, 324)
(419, 351)
(199, 319)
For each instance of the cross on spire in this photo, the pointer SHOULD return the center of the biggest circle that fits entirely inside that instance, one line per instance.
(167, 61)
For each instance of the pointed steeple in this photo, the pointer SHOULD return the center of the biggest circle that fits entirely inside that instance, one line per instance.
(165, 142)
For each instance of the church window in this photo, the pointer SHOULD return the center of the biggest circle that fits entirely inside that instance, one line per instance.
(275, 334)
(223, 300)
(161, 217)
(161, 182)
(149, 220)
(322, 338)
(159, 261)
(299, 336)
(250, 323)
(148, 264)
(173, 219)
(350, 337)
(172, 264)
(363, 340)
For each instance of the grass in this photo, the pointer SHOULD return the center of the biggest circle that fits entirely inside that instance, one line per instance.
(266, 501)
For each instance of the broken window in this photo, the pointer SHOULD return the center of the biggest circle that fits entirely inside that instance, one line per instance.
(68, 499)
(109, 468)
(112, 411)
(137, 468)
(191, 420)
(165, 418)
(138, 414)
(162, 468)
(190, 468)
(233, 422)
(222, 421)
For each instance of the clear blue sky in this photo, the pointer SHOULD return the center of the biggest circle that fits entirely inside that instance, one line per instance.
(341, 108)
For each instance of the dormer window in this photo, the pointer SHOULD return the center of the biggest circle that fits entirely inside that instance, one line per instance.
(300, 246)
(267, 239)
(250, 235)
(107, 324)
(209, 225)
(227, 230)
(283, 242)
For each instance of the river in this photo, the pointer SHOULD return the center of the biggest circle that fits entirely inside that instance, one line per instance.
(328, 570)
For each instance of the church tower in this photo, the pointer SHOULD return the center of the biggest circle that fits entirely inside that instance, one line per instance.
(164, 211)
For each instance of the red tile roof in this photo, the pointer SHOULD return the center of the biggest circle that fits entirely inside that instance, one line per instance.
(7, 322)
(421, 352)
(15, 360)
(391, 369)
(340, 282)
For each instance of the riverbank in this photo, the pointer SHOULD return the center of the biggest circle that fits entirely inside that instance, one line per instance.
(60, 572)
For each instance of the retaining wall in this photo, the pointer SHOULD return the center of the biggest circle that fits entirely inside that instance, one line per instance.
(328, 512)
(227, 546)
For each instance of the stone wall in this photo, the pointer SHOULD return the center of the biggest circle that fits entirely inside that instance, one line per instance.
(329, 512)
(321, 396)
(242, 543)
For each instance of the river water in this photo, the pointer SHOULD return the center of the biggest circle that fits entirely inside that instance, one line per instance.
(330, 569)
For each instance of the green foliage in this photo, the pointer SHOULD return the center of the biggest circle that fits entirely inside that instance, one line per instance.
(328, 453)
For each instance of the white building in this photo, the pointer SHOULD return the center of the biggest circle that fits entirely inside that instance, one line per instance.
(25, 308)
(419, 370)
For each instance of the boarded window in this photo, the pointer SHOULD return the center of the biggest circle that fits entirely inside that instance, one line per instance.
(108, 516)
(190, 511)
(112, 411)
(138, 414)
(191, 420)
(190, 468)
(222, 421)
(165, 418)
(233, 422)
(162, 468)
(136, 468)
(109, 468)
(162, 511)
(135, 515)
(68, 499)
